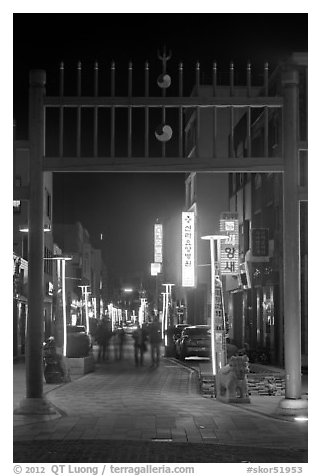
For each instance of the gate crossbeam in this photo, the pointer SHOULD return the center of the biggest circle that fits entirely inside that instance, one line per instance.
(162, 164)
(191, 101)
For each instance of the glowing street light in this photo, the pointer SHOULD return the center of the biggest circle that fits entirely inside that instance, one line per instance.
(168, 291)
(25, 228)
(163, 315)
(212, 239)
(85, 293)
(142, 310)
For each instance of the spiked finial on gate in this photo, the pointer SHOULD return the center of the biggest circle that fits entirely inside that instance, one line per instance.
(164, 80)
(96, 78)
(164, 57)
(248, 77)
(266, 78)
(61, 78)
(231, 77)
(214, 78)
(146, 78)
(79, 78)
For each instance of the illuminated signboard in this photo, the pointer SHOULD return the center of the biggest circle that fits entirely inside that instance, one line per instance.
(188, 252)
(158, 243)
(155, 269)
(229, 225)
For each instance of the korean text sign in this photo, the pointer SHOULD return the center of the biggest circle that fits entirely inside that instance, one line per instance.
(229, 225)
(188, 249)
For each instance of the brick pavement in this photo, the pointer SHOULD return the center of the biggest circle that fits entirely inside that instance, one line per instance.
(121, 402)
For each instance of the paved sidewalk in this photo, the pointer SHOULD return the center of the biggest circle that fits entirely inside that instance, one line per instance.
(157, 406)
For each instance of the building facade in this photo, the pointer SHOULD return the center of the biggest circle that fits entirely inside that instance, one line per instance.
(256, 307)
(20, 246)
(85, 273)
(253, 296)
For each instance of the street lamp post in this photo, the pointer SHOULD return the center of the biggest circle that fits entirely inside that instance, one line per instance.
(85, 294)
(214, 239)
(62, 260)
(127, 294)
(71, 278)
(163, 315)
(168, 291)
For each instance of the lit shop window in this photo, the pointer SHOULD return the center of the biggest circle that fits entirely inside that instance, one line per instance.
(16, 206)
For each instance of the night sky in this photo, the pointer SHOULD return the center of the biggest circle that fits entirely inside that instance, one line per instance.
(124, 206)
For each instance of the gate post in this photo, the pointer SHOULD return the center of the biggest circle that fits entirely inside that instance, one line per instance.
(35, 403)
(291, 247)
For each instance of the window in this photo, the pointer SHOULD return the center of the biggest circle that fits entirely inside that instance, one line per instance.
(48, 262)
(48, 204)
(303, 168)
(25, 246)
(303, 104)
(16, 206)
(234, 183)
(17, 203)
(258, 181)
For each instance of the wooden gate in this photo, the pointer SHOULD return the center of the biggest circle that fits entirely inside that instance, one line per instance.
(156, 122)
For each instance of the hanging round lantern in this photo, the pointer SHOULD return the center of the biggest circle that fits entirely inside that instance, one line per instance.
(163, 133)
(164, 81)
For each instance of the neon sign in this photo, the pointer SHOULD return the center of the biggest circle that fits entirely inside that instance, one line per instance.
(229, 225)
(158, 243)
(188, 249)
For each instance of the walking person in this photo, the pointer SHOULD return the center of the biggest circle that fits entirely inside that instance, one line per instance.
(155, 339)
(140, 347)
(102, 336)
(119, 337)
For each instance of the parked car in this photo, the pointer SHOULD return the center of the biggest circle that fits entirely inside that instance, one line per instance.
(78, 341)
(195, 341)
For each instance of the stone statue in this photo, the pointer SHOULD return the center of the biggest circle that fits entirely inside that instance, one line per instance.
(231, 381)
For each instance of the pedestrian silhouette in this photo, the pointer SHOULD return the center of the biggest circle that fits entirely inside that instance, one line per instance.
(119, 337)
(140, 347)
(155, 339)
(102, 336)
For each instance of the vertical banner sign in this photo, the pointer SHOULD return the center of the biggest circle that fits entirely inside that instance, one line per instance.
(218, 306)
(229, 225)
(158, 243)
(188, 252)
